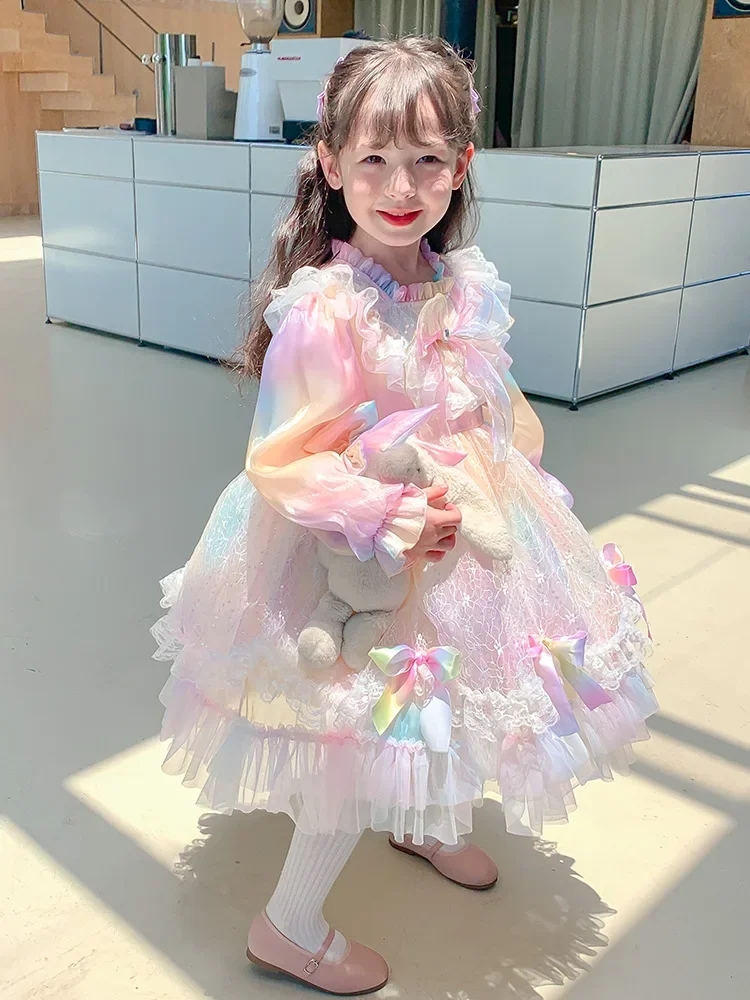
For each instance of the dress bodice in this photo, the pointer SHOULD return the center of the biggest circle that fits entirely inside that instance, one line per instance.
(440, 342)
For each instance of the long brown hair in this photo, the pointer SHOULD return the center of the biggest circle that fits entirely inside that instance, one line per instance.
(379, 88)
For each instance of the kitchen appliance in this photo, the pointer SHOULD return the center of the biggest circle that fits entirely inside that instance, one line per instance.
(259, 113)
(301, 66)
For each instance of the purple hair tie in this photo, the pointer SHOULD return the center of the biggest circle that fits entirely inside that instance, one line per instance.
(322, 94)
(475, 101)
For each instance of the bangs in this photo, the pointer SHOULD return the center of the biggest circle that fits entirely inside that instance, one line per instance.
(402, 104)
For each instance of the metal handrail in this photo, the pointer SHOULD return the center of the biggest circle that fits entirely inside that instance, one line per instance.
(139, 16)
(115, 36)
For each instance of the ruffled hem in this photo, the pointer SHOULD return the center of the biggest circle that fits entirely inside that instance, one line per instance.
(353, 782)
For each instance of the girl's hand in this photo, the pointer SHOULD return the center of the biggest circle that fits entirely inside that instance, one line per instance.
(441, 523)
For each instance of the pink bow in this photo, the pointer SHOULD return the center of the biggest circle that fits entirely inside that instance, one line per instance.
(560, 661)
(453, 361)
(619, 571)
(622, 574)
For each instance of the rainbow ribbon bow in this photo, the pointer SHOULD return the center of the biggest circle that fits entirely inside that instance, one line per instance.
(559, 662)
(418, 679)
(622, 574)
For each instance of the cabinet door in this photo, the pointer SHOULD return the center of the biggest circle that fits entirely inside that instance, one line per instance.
(723, 173)
(272, 168)
(93, 214)
(193, 164)
(719, 241)
(194, 229)
(714, 320)
(639, 250)
(193, 312)
(544, 347)
(512, 175)
(628, 342)
(96, 155)
(539, 249)
(96, 292)
(637, 180)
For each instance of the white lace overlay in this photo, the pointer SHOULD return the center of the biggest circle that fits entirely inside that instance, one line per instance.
(252, 731)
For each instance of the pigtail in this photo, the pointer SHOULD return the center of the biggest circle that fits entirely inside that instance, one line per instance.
(398, 75)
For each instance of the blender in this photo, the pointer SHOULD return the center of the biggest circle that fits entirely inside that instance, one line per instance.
(259, 113)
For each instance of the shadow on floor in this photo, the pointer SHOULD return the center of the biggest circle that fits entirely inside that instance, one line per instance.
(541, 925)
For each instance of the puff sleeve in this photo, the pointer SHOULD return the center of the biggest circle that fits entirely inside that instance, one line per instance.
(312, 383)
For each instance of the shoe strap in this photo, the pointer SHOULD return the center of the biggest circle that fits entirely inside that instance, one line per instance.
(432, 851)
(314, 964)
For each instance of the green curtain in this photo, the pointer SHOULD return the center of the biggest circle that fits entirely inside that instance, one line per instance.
(485, 52)
(393, 18)
(605, 72)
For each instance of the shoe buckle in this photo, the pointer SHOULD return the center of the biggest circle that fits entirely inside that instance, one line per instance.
(312, 967)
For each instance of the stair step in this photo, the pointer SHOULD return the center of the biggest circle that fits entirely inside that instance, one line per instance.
(19, 40)
(87, 119)
(32, 24)
(67, 83)
(50, 43)
(69, 101)
(36, 61)
(10, 40)
(87, 101)
(10, 11)
(50, 121)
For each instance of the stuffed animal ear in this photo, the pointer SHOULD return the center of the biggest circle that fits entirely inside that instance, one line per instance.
(394, 429)
(339, 434)
(445, 456)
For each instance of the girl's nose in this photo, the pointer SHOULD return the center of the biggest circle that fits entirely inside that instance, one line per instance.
(401, 184)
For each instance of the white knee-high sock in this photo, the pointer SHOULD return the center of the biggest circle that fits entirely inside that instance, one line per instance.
(313, 864)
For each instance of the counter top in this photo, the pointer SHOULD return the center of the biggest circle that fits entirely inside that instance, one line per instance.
(118, 133)
(583, 152)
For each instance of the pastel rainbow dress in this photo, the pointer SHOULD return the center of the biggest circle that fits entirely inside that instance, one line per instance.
(539, 660)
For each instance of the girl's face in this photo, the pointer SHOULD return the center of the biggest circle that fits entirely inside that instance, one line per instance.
(398, 193)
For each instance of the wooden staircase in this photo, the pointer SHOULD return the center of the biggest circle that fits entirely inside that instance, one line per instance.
(41, 64)
(43, 86)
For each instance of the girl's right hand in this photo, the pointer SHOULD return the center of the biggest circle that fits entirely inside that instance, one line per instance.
(441, 523)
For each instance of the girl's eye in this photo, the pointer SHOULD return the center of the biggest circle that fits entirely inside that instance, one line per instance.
(373, 158)
(429, 158)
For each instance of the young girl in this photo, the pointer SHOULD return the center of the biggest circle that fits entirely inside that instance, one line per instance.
(371, 306)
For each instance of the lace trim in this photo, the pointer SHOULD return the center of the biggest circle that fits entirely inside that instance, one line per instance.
(272, 672)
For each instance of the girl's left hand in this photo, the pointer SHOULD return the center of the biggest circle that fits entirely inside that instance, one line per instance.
(439, 533)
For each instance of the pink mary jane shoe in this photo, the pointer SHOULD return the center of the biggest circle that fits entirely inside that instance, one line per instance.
(361, 970)
(470, 867)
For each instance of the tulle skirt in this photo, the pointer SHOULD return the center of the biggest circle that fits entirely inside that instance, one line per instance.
(252, 731)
